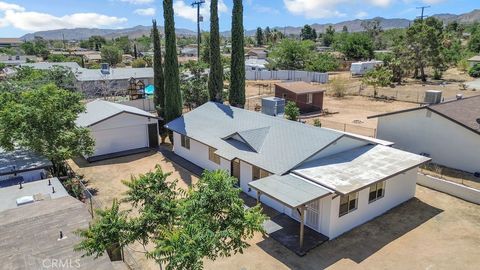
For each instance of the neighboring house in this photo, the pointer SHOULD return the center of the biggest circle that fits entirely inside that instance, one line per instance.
(48, 65)
(448, 132)
(16, 60)
(118, 130)
(335, 181)
(23, 165)
(256, 54)
(31, 221)
(474, 60)
(252, 64)
(93, 57)
(189, 52)
(10, 42)
(308, 97)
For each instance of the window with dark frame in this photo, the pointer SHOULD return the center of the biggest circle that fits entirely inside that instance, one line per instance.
(185, 142)
(348, 203)
(212, 156)
(376, 191)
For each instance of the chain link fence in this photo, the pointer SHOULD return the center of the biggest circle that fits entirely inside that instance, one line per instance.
(360, 130)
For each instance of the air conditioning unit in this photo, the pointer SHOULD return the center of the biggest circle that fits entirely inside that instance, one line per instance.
(433, 97)
(105, 68)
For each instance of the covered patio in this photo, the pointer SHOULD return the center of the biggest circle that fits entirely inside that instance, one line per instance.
(295, 193)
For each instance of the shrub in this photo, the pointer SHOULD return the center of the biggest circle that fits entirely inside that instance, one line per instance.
(475, 71)
(292, 111)
(462, 65)
(139, 63)
(317, 123)
(338, 87)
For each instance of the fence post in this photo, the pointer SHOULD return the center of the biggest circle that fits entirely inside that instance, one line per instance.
(91, 207)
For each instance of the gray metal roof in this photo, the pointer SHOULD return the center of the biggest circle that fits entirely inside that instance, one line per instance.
(21, 160)
(286, 144)
(99, 110)
(83, 74)
(49, 65)
(9, 194)
(354, 169)
(29, 236)
(289, 189)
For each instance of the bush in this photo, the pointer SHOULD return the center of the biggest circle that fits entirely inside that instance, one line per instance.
(292, 111)
(474, 71)
(338, 87)
(317, 123)
(139, 63)
(322, 62)
(462, 65)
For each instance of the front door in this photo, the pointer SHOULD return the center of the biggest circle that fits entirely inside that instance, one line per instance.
(153, 135)
(236, 170)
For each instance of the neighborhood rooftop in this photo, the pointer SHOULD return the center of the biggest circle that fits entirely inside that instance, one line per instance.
(300, 87)
(84, 74)
(100, 110)
(20, 160)
(465, 111)
(49, 65)
(352, 170)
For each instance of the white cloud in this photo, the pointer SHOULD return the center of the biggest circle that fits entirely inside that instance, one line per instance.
(138, 2)
(188, 12)
(145, 11)
(36, 21)
(314, 9)
(4, 6)
(361, 15)
(431, 2)
(381, 3)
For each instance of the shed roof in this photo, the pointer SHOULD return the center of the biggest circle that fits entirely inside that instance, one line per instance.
(294, 142)
(355, 169)
(100, 110)
(21, 160)
(290, 190)
(29, 234)
(300, 87)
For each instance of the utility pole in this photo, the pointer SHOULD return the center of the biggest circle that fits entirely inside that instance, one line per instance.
(198, 3)
(423, 9)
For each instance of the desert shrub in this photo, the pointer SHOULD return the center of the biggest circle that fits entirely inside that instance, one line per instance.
(462, 65)
(338, 87)
(292, 111)
(317, 123)
(475, 71)
(139, 63)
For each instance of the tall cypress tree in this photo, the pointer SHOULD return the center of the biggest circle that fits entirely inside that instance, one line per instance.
(173, 98)
(236, 95)
(158, 79)
(215, 78)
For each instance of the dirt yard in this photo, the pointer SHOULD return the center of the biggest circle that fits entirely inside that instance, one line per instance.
(431, 231)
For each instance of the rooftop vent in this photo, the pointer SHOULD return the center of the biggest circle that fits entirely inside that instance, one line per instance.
(25, 200)
(459, 96)
(433, 96)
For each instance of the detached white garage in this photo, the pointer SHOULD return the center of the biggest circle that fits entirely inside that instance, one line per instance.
(118, 129)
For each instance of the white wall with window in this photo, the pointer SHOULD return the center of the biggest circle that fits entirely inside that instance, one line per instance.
(347, 212)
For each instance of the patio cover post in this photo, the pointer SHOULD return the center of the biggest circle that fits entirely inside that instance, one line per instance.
(258, 196)
(302, 218)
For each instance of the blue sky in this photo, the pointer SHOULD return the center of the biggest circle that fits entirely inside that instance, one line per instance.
(18, 17)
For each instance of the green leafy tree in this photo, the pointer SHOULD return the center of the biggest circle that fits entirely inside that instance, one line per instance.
(205, 48)
(259, 37)
(291, 54)
(292, 112)
(474, 71)
(215, 79)
(344, 29)
(268, 34)
(57, 58)
(93, 43)
(38, 47)
(173, 97)
(322, 62)
(374, 30)
(186, 227)
(355, 46)
(111, 55)
(474, 42)
(144, 43)
(194, 86)
(158, 77)
(124, 44)
(308, 33)
(43, 120)
(236, 95)
(329, 36)
(379, 77)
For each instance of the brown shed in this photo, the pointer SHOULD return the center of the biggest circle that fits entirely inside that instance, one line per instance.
(308, 97)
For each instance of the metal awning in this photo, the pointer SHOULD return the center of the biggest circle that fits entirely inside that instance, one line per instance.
(290, 190)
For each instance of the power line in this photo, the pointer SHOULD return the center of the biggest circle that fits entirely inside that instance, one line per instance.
(198, 3)
(423, 9)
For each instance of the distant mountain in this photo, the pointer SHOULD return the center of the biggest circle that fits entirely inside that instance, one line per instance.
(85, 33)
(138, 31)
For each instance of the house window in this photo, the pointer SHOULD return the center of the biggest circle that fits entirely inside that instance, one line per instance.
(348, 203)
(185, 142)
(376, 191)
(212, 156)
(309, 98)
(258, 173)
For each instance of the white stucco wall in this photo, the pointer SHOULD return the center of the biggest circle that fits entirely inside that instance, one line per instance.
(398, 189)
(446, 142)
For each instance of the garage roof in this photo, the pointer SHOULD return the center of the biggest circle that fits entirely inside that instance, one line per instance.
(290, 190)
(355, 169)
(100, 110)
